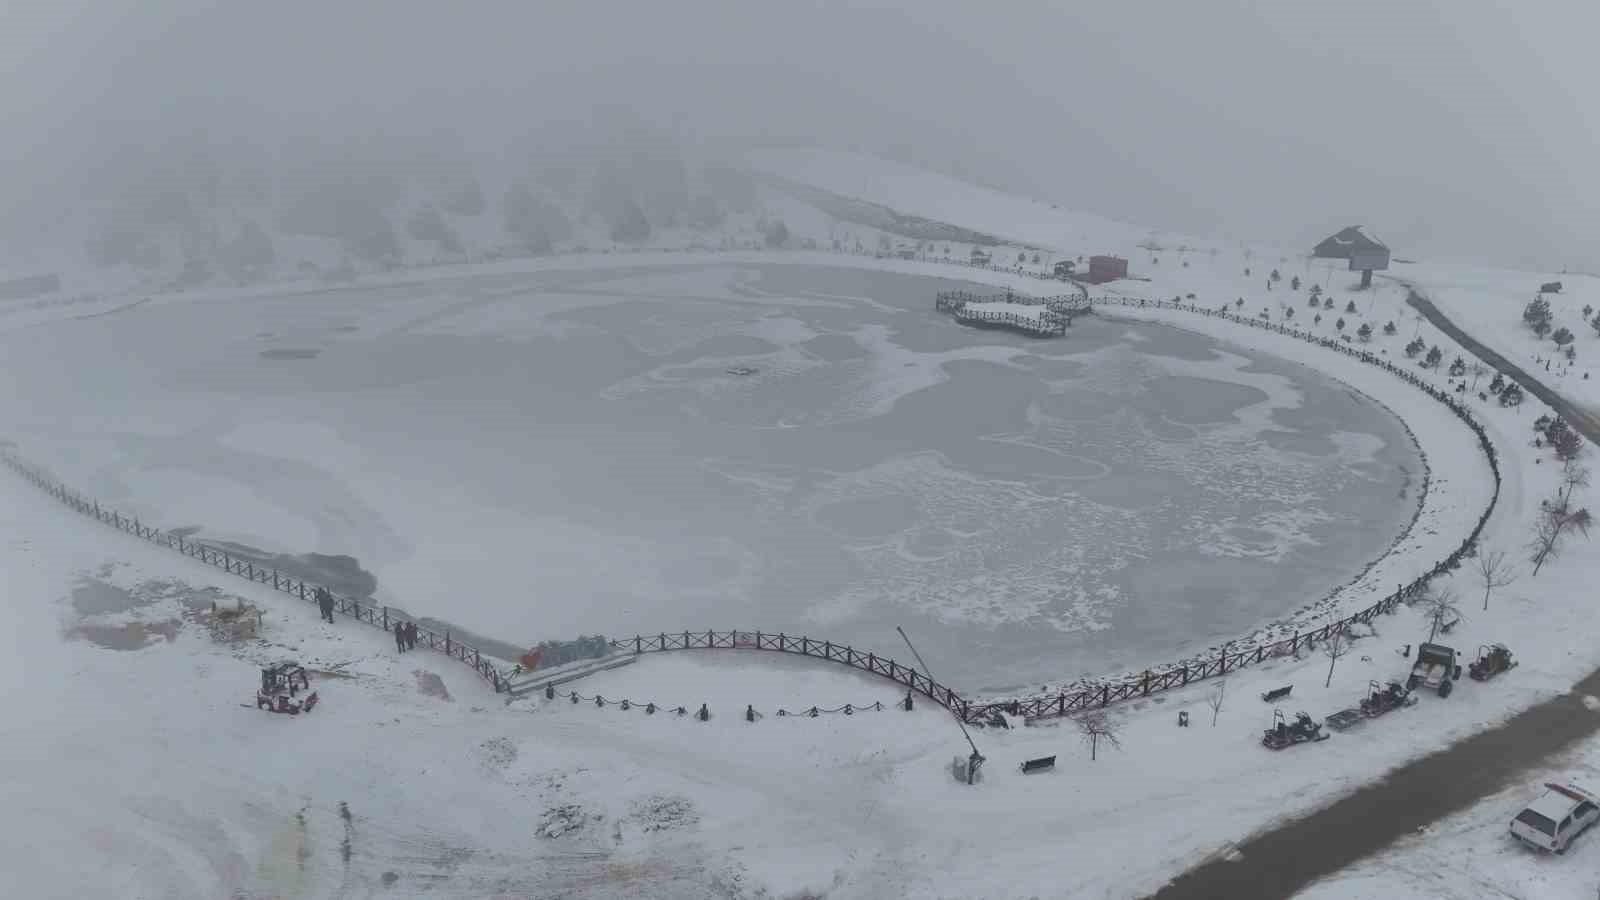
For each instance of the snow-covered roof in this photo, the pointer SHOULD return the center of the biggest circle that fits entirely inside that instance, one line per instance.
(1558, 801)
(1353, 238)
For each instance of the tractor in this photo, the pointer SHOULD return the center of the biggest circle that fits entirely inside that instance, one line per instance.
(1435, 668)
(1492, 660)
(1381, 699)
(1282, 734)
(279, 686)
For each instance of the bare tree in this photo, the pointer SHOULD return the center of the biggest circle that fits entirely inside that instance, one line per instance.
(1573, 475)
(1556, 519)
(1493, 572)
(1442, 609)
(1214, 700)
(1096, 727)
(1478, 370)
(1337, 645)
(1544, 545)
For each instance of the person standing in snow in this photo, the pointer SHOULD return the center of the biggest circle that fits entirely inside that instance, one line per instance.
(399, 637)
(325, 604)
(411, 635)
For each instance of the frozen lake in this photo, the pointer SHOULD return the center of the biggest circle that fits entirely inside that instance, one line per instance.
(791, 448)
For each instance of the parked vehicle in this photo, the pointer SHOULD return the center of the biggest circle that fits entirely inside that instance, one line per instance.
(1282, 733)
(1435, 669)
(1492, 660)
(1558, 816)
(1381, 699)
(279, 686)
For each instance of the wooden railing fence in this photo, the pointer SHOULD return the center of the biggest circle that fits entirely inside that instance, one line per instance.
(366, 613)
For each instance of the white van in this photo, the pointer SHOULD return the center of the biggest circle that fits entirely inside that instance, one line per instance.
(1560, 814)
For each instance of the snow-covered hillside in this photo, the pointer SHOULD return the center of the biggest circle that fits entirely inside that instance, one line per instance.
(941, 198)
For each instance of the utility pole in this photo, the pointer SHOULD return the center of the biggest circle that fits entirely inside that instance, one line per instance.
(976, 759)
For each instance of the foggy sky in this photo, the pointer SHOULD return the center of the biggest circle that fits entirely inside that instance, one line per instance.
(1452, 127)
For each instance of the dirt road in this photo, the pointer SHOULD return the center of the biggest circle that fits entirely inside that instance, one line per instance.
(1583, 420)
(1280, 862)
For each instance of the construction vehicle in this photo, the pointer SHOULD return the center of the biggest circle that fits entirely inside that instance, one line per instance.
(1435, 668)
(1282, 733)
(1492, 660)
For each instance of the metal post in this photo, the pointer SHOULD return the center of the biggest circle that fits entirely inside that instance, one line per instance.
(976, 757)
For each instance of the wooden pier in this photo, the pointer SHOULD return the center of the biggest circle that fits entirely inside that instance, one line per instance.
(1052, 319)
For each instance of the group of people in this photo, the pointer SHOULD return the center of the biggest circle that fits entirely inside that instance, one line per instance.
(405, 633)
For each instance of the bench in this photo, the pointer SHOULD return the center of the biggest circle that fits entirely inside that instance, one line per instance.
(1038, 765)
(1277, 693)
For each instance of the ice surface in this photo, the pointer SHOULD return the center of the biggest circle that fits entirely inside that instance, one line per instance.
(537, 455)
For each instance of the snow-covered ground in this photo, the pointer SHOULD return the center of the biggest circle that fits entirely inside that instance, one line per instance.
(1488, 304)
(135, 772)
(1472, 853)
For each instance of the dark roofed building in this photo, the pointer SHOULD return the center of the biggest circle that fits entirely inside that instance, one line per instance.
(1106, 268)
(1346, 243)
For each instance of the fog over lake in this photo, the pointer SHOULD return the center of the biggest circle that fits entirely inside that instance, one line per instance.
(794, 448)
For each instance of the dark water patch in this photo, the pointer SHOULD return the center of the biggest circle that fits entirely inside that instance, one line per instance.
(723, 346)
(341, 574)
(1201, 401)
(132, 636)
(94, 597)
(488, 646)
(1299, 442)
(289, 353)
(1051, 368)
(861, 518)
(834, 347)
